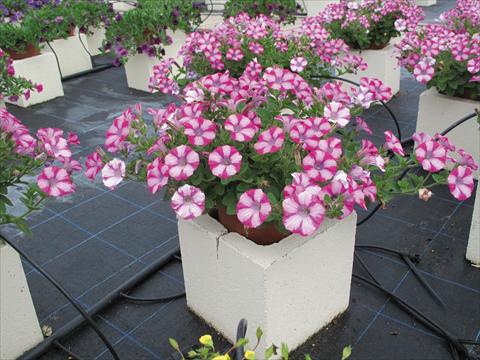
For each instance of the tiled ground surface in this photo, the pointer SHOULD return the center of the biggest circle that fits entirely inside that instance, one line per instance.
(97, 239)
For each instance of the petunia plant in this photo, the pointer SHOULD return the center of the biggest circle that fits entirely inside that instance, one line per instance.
(280, 10)
(447, 56)
(234, 44)
(272, 150)
(369, 24)
(12, 86)
(48, 154)
(90, 14)
(144, 29)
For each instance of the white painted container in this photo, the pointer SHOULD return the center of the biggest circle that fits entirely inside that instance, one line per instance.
(218, 5)
(19, 326)
(211, 22)
(426, 2)
(40, 69)
(121, 7)
(291, 289)
(71, 53)
(95, 40)
(436, 112)
(139, 68)
(473, 248)
(313, 7)
(382, 65)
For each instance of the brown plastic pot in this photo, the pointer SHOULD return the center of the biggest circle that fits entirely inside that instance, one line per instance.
(30, 51)
(264, 235)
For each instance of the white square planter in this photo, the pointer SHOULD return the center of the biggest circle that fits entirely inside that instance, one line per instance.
(139, 68)
(426, 2)
(473, 248)
(95, 41)
(315, 6)
(72, 56)
(211, 22)
(218, 5)
(19, 326)
(120, 6)
(436, 112)
(41, 69)
(291, 289)
(382, 65)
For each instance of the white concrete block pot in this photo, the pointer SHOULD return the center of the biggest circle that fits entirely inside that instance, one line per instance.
(426, 2)
(20, 330)
(473, 248)
(71, 53)
(39, 69)
(95, 38)
(139, 67)
(436, 112)
(290, 289)
(313, 7)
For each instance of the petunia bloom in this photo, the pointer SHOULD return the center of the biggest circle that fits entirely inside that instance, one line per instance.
(200, 132)
(113, 173)
(241, 128)
(319, 165)
(303, 213)
(253, 208)
(270, 141)
(157, 175)
(392, 143)
(460, 182)
(182, 162)
(225, 161)
(55, 181)
(337, 113)
(93, 164)
(431, 155)
(188, 202)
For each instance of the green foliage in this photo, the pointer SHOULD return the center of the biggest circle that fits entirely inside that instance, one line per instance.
(284, 10)
(15, 37)
(88, 14)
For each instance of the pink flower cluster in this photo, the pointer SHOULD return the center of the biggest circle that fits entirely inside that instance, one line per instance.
(233, 45)
(273, 135)
(436, 51)
(50, 146)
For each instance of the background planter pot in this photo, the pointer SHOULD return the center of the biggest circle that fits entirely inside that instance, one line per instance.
(72, 56)
(426, 2)
(436, 112)
(139, 68)
(41, 69)
(382, 65)
(473, 248)
(95, 40)
(291, 289)
(19, 326)
(313, 7)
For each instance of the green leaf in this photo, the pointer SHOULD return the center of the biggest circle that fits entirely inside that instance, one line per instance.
(269, 352)
(174, 344)
(308, 357)
(241, 342)
(347, 351)
(259, 333)
(284, 351)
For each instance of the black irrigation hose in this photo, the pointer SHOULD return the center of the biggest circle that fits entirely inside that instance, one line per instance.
(65, 293)
(390, 112)
(56, 59)
(140, 300)
(241, 333)
(68, 352)
(411, 310)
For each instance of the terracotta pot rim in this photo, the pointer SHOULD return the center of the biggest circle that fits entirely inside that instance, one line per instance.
(30, 51)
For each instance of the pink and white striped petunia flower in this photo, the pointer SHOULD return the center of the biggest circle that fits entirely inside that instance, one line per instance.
(332, 145)
(253, 208)
(423, 72)
(319, 165)
(157, 175)
(301, 182)
(188, 202)
(270, 141)
(241, 128)
(113, 173)
(57, 147)
(431, 155)
(200, 131)
(392, 143)
(225, 161)
(182, 162)
(460, 182)
(303, 213)
(55, 181)
(93, 165)
(298, 64)
(117, 134)
(337, 113)
(362, 126)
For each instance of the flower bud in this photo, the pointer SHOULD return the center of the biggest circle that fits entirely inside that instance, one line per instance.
(424, 194)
